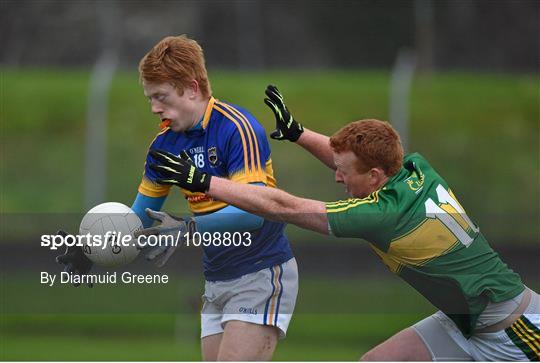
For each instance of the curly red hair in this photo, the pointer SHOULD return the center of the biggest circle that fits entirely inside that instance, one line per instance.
(375, 143)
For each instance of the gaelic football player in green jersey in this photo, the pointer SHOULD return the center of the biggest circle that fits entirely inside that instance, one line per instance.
(414, 222)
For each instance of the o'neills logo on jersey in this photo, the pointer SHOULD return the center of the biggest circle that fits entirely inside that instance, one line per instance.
(199, 198)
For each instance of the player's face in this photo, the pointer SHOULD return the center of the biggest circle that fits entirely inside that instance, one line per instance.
(357, 184)
(169, 105)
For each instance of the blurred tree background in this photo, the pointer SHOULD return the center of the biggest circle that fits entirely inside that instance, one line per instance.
(479, 35)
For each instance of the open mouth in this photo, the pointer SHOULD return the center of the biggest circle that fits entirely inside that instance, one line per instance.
(165, 122)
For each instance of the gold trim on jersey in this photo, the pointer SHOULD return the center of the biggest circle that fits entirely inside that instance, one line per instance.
(151, 189)
(340, 206)
(432, 239)
(240, 131)
(427, 241)
(161, 132)
(269, 173)
(201, 202)
(242, 177)
(252, 170)
(249, 136)
(257, 164)
(390, 261)
(208, 112)
(147, 187)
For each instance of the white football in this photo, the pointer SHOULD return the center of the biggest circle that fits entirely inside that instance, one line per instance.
(110, 222)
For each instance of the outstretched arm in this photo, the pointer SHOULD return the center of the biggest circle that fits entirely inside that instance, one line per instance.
(287, 128)
(271, 203)
(319, 146)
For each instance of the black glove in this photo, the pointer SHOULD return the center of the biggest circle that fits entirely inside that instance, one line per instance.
(286, 126)
(180, 171)
(74, 260)
(170, 226)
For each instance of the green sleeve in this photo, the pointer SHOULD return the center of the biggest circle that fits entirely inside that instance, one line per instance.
(366, 218)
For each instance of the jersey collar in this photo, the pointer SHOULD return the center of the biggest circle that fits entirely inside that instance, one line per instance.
(200, 127)
(400, 174)
(208, 113)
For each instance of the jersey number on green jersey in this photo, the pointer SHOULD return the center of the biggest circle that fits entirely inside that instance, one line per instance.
(450, 213)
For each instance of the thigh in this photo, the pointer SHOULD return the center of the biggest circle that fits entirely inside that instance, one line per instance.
(443, 339)
(210, 321)
(266, 297)
(211, 329)
(243, 341)
(404, 346)
(210, 347)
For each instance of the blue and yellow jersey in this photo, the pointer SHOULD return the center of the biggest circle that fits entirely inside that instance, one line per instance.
(229, 143)
(421, 232)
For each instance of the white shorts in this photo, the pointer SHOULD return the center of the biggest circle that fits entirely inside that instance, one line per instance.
(520, 342)
(266, 297)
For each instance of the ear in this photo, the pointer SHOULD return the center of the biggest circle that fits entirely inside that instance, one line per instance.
(193, 89)
(377, 174)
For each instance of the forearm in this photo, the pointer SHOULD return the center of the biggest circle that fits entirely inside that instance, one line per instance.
(271, 203)
(142, 202)
(318, 145)
(228, 219)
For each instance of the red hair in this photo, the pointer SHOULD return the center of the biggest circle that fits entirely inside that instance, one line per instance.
(178, 61)
(375, 143)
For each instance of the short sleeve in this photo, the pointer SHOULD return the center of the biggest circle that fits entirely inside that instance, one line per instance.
(362, 218)
(148, 186)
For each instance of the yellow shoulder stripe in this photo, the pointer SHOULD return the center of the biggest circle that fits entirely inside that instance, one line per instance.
(250, 141)
(349, 201)
(248, 167)
(227, 115)
(250, 130)
(343, 206)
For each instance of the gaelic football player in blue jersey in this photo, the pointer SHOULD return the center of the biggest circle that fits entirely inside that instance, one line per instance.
(251, 274)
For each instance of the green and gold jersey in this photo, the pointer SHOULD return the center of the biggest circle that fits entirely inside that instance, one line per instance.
(422, 233)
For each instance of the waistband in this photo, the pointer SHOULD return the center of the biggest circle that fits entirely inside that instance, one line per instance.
(510, 318)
